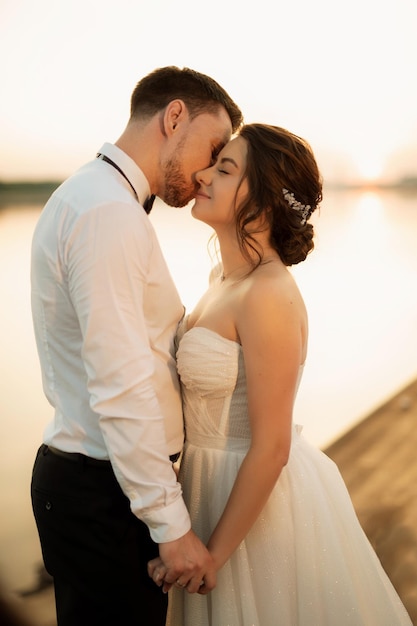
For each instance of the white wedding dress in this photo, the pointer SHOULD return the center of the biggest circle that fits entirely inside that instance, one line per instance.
(306, 561)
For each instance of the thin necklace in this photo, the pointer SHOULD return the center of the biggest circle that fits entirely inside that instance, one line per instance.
(223, 276)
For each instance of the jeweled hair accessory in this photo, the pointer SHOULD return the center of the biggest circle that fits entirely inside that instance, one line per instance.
(304, 209)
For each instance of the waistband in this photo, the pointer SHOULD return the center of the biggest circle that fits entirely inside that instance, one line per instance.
(77, 457)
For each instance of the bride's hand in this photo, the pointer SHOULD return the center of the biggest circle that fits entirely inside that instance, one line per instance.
(157, 571)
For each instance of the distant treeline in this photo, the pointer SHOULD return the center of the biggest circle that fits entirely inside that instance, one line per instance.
(406, 184)
(38, 192)
(26, 192)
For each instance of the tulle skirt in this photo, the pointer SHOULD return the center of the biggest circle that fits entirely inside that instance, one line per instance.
(305, 562)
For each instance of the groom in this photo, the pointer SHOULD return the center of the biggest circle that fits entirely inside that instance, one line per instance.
(105, 311)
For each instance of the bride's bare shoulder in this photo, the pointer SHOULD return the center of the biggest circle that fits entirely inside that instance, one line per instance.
(272, 289)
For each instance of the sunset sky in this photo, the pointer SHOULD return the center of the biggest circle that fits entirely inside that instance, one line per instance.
(342, 75)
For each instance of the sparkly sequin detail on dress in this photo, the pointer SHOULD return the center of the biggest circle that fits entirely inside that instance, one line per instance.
(306, 561)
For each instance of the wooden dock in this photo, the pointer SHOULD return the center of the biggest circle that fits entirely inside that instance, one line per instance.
(378, 461)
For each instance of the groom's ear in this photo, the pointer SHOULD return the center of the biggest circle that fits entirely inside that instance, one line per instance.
(175, 114)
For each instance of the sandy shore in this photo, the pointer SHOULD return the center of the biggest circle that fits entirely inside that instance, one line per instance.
(378, 461)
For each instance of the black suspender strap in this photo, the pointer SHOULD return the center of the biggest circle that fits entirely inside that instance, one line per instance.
(149, 201)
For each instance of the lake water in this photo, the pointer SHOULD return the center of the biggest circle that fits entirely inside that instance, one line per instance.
(360, 288)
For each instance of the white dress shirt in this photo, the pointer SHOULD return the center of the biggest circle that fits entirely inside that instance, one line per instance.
(105, 313)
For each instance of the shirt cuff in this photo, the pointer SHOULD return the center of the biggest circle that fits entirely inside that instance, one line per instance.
(169, 523)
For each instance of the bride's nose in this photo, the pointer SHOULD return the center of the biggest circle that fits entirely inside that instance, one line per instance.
(203, 177)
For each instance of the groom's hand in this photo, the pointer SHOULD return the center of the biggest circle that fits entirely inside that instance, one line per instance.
(185, 562)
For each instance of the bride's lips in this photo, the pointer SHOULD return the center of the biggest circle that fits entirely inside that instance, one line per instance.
(200, 194)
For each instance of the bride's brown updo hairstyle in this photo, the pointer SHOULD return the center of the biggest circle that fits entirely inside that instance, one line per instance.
(285, 187)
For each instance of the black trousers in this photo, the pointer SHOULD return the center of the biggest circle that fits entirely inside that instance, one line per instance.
(94, 547)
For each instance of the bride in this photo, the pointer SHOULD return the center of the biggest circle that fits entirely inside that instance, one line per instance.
(273, 510)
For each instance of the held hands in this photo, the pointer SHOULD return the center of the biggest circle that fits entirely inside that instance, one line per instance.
(157, 571)
(185, 563)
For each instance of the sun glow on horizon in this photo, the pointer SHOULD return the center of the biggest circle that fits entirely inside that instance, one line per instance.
(370, 167)
(72, 66)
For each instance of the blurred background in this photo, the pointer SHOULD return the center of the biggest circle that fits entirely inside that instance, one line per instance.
(341, 76)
